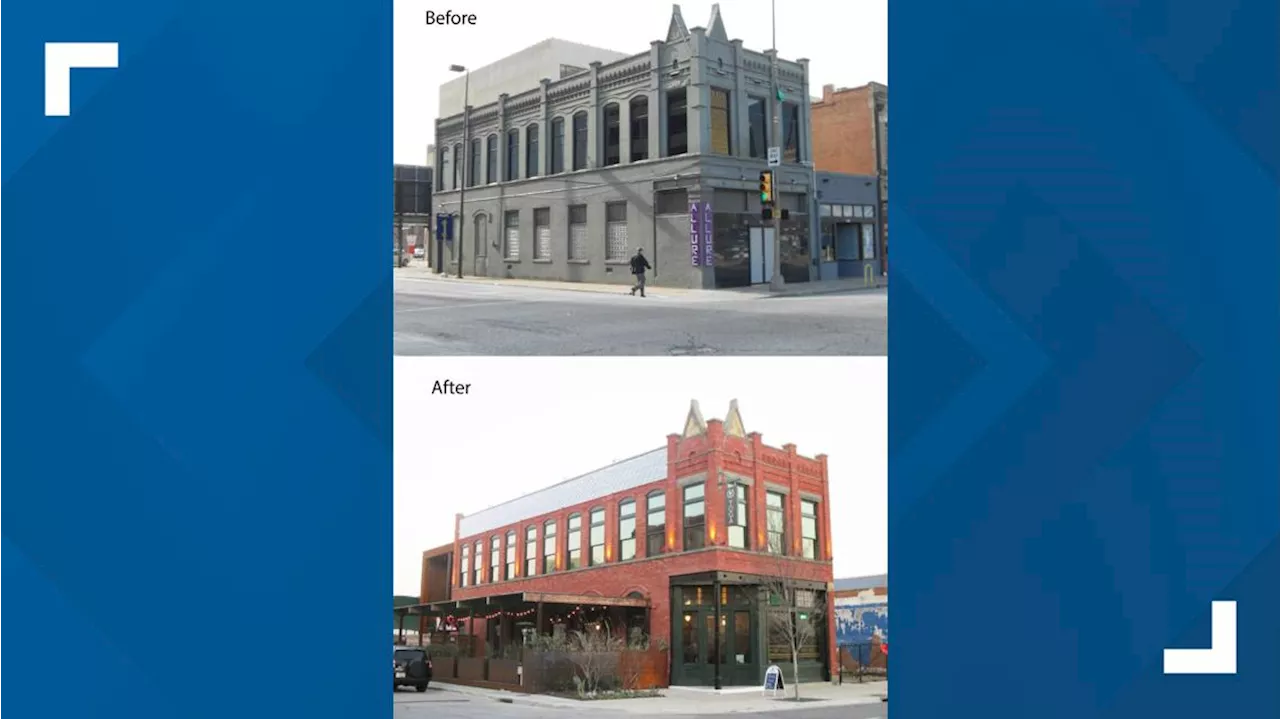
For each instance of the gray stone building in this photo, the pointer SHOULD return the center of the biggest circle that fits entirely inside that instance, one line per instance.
(565, 180)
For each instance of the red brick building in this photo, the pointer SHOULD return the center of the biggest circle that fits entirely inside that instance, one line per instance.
(702, 531)
(850, 128)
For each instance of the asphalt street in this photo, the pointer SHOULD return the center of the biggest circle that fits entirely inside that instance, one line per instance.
(436, 317)
(438, 704)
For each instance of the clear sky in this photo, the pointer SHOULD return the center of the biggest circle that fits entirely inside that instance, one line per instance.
(847, 43)
(530, 422)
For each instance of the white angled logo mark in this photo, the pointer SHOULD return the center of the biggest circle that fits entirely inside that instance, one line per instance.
(1219, 658)
(60, 58)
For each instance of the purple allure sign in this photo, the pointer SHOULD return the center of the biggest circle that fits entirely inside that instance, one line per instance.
(695, 237)
(708, 254)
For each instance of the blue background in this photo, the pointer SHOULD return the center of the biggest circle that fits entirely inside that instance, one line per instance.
(197, 361)
(1084, 346)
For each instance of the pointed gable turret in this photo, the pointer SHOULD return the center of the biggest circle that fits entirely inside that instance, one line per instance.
(733, 421)
(677, 30)
(694, 425)
(715, 27)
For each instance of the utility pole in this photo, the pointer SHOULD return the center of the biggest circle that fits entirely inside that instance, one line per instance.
(466, 157)
(776, 282)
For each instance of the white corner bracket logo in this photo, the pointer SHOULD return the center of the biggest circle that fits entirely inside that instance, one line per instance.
(1219, 658)
(60, 58)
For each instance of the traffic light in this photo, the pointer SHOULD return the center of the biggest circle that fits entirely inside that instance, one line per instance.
(766, 187)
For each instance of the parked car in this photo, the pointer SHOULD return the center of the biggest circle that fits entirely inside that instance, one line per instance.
(412, 668)
(419, 252)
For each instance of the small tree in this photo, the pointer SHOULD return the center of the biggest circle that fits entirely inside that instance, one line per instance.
(594, 654)
(796, 620)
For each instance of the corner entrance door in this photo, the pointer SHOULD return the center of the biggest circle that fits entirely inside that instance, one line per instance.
(761, 247)
(736, 650)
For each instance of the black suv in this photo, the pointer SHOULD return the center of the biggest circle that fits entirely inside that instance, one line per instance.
(412, 668)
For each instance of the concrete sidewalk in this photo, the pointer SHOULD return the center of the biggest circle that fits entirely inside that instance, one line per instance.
(696, 700)
(800, 289)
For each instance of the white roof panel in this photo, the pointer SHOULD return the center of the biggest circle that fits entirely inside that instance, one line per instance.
(642, 469)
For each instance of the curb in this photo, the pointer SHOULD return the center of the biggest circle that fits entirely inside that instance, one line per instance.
(662, 292)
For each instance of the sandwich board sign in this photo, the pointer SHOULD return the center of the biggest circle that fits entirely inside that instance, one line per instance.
(773, 679)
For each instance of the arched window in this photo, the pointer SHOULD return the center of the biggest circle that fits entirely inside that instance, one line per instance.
(531, 550)
(477, 559)
(639, 119)
(464, 566)
(557, 146)
(495, 558)
(513, 156)
(491, 156)
(597, 536)
(531, 150)
(573, 545)
(655, 530)
(626, 530)
(458, 166)
(611, 119)
(580, 141)
(473, 164)
(510, 571)
(550, 561)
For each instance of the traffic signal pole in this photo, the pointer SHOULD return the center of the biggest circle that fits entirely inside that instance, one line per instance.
(775, 281)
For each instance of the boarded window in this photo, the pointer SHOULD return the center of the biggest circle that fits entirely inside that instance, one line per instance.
(615, 247)
(542, 233)
(578, 233)
(511, 225)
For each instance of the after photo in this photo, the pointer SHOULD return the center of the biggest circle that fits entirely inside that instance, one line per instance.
(668, 536)
(690, 179)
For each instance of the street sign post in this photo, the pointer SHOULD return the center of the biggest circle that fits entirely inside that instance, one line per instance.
(775, 156)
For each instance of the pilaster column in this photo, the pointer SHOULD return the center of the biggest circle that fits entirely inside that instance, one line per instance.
(657, 107)
(502, 137)
(544, 139)
(806, 123)
(624, 131)
(595, 138)
(698, 96)
(739, 118)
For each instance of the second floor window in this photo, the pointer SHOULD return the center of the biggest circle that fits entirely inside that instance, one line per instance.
(573, 547)
(491, 158)
(655, 530)
(695, 517)
(737, 504)
(458, 166)
(809, 529)
(612, 134)
(464, 572)
(495, 559)
(721, 141)
(549, 561)
(557, 146)
(510, 572)
(597, 537)
(473, 164)
(639, 129)
(775, 523)
(627, 530)
(531, 151)
(513, 156)
(580, 141)
(531, 551)
(790, 132)
(477, 557)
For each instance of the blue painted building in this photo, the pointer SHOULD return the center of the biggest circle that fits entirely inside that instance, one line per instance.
(862, 610)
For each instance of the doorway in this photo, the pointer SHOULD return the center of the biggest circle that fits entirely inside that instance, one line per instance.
(696, 650)
(480, 253)
(761, 251)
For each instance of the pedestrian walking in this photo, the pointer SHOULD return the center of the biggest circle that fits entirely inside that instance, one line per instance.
(638, 265)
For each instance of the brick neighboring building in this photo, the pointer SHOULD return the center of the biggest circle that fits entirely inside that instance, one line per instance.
(851, 136)
(652, 543)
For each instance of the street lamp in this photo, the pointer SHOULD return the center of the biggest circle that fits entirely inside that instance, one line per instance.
(466, 166)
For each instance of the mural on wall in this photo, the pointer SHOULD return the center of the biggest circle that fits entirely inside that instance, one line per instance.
(857, 621)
